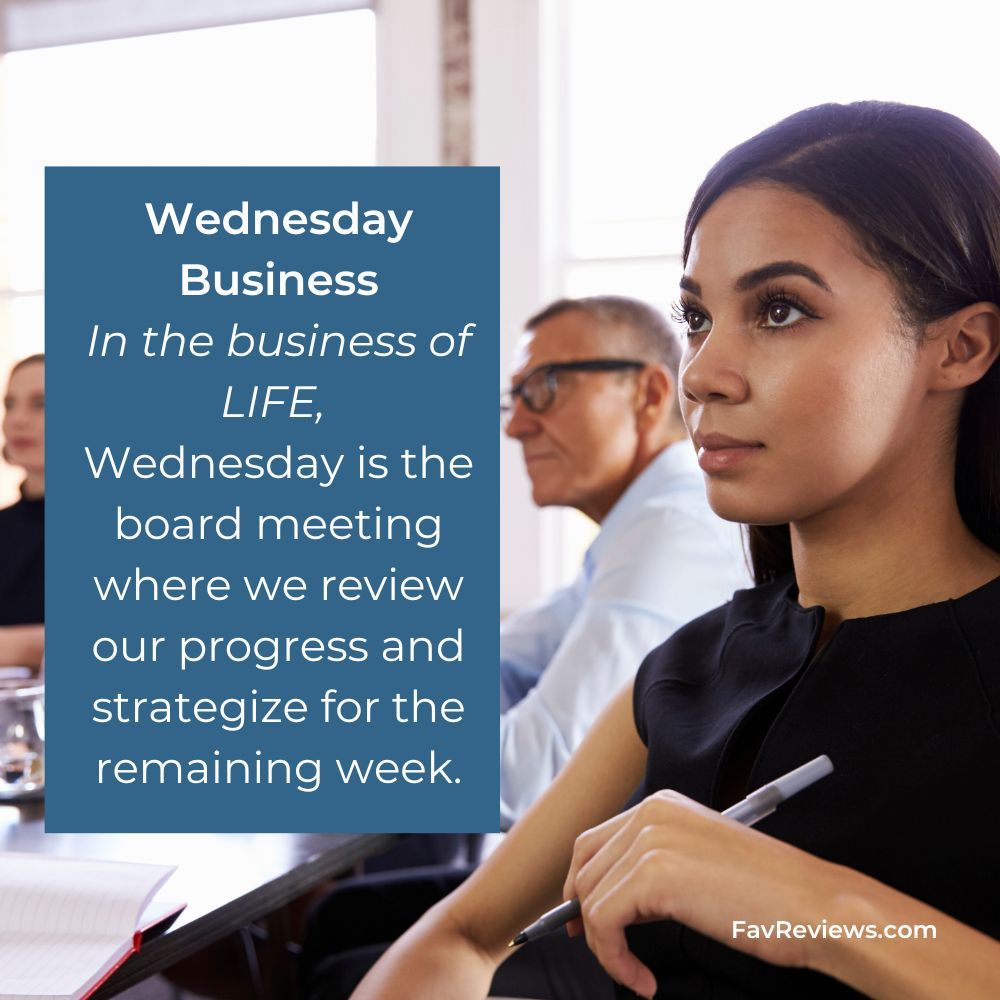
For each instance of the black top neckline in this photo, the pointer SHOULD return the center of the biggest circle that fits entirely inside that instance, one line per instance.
(30, 503)
(789, 598)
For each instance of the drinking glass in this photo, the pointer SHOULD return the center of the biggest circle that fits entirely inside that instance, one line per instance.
(22, 740)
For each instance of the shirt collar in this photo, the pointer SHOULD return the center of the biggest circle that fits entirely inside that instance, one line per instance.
(675, 463)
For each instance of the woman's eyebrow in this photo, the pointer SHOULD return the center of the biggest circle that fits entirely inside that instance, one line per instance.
(778, 269)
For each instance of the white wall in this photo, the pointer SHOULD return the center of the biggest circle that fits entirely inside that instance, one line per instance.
(507, 131)
(408, 61)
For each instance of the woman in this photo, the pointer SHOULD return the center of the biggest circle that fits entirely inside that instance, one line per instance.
(840, 290)
(22, 589)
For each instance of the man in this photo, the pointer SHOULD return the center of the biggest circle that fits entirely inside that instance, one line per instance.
(593, 405)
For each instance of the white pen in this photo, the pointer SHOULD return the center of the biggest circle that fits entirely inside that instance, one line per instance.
(750, 810)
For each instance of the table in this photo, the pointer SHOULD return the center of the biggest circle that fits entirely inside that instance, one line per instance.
(227, 880)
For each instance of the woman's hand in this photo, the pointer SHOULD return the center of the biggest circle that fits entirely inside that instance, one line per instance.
(671, 858)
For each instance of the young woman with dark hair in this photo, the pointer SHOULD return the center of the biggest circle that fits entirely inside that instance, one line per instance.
(840, 381)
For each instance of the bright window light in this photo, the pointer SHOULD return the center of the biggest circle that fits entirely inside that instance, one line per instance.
(658, 91)
(299, 91)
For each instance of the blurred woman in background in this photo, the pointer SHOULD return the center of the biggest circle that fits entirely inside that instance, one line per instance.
(22, 543)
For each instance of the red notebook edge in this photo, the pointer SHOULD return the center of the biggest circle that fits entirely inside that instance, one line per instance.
(156, 926)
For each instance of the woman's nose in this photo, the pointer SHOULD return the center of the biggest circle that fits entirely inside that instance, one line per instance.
(714, 371)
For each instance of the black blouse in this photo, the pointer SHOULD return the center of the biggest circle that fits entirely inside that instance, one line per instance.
(22, 563)
(906, 705)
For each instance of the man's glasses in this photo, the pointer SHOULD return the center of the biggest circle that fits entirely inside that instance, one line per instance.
(537, 390)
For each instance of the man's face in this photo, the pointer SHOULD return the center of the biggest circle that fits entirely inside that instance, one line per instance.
(582, 451)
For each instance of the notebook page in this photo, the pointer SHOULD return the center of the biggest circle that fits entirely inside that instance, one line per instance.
(54, 965)
(73, 896)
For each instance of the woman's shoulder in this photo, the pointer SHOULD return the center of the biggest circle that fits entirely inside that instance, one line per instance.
(980, 606)
(22, 527)
(702, 639)
(21, 511)
(11, 513)
(748, 606)
(977, 619)
(691, 657)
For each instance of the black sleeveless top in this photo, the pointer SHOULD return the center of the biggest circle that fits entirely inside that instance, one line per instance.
(906, 705)
(22, 563)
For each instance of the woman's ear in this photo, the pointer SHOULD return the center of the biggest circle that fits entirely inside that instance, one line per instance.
(968, 344)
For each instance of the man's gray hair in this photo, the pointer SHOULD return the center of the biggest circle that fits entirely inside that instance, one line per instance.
(644, 332)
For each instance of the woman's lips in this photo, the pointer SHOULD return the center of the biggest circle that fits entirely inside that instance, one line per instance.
(720, 459)
(718, 452)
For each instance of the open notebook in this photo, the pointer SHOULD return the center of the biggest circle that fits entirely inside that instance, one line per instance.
(67, 924)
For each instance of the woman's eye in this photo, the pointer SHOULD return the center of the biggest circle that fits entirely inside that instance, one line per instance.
(697, 322)
(690, 318)
(782, 314)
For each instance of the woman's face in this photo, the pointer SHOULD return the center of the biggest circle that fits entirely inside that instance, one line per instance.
(24, 417)
(798, 388)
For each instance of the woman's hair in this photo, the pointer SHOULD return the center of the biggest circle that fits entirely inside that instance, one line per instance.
(920, 191)
(29, 360)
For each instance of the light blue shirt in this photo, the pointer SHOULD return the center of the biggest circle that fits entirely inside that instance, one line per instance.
(661, 558)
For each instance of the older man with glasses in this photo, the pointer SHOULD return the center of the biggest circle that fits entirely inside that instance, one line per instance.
(593, 404)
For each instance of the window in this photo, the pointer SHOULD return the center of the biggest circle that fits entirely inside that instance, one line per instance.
(298, 91)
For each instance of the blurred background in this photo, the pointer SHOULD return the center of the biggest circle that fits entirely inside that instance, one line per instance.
(603, 115)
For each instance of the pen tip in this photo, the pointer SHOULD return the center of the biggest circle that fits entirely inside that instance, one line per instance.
(520, 939)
